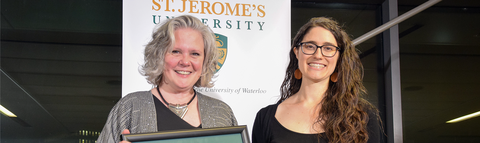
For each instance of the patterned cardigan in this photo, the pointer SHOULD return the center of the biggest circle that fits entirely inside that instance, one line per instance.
(136, 112)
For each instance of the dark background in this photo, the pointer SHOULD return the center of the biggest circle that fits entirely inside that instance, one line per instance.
(61, 65)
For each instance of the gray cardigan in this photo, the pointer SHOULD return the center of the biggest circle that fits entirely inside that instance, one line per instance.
(136, 112)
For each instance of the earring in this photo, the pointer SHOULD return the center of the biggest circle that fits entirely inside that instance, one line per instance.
(334, 77)
(298, 74)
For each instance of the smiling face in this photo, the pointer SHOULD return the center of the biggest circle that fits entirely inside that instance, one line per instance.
(184, 63)
(317, 67)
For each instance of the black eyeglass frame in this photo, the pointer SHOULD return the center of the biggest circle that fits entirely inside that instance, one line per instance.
(321, 48)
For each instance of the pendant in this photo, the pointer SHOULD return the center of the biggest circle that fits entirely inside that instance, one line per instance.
(180, 111)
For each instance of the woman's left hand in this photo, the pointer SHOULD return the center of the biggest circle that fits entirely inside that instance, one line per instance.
(126, 131)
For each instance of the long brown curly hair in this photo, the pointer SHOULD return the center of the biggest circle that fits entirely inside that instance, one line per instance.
(343, 113)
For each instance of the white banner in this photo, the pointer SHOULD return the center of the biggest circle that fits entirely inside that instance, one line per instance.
(256, 45)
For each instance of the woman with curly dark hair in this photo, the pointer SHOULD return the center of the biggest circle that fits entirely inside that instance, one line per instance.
(321, 93)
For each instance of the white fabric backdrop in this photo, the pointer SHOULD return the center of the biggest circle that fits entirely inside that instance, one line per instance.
(258, 33)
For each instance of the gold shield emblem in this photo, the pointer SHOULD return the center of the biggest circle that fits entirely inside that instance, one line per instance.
(221, 43)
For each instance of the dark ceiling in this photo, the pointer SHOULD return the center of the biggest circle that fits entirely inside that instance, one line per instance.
(61, 64)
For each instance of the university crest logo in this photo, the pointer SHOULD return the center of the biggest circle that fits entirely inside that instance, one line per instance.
(221, 43)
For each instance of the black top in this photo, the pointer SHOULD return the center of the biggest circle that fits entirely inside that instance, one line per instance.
(167, 120)
(267, 129)
(282, 134)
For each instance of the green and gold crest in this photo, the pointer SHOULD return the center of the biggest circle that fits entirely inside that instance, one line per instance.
(221, 42)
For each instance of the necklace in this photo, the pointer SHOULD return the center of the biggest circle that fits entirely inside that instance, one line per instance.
(179, 109)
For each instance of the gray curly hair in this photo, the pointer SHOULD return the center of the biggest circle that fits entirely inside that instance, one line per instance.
(163, 40)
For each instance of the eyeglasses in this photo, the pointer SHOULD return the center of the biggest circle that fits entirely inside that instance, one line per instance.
(310, 49)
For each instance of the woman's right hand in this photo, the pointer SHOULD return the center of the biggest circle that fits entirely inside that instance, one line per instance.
(126, 131)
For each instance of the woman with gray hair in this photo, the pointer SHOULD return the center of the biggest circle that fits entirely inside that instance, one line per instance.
(181, 55)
